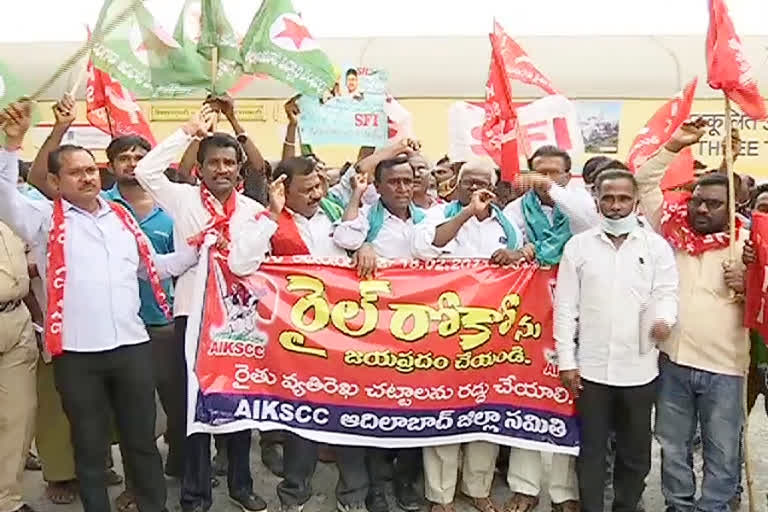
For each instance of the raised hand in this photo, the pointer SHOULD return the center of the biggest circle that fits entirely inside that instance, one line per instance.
(687, 135)
(17, 118)
(360, 184)
(201, 122)
(481, 201)
(292, 110)
(277, 197)
(65, 111)
(533, 180)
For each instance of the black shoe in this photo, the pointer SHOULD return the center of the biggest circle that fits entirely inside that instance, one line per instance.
(25, 508)
(250, 503)
(220, 464)
(407, 498)
(272, 458)
(376, 501)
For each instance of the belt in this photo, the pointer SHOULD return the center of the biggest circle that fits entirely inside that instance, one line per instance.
(9, 306)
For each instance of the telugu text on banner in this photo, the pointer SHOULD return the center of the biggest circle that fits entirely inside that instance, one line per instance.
(427, 353)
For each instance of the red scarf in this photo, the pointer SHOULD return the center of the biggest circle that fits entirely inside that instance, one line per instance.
(221, 215)
(287, 240)
(676, 229)
(56, 274)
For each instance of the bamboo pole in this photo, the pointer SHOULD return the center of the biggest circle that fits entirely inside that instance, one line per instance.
(214, 72)
(80, 76)
(732, 257)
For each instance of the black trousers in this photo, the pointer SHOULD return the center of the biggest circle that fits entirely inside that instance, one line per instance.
(627, 411)
(93, 385)
(402, 466)
(299, 461)
(196, 482)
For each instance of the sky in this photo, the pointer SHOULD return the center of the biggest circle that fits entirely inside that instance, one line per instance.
(59, 20)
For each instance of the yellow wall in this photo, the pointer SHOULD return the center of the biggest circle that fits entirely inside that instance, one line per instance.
(431, 126)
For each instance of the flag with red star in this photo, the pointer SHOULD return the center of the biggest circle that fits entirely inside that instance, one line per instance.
(279, 44)
(146, 59)
(203, 26)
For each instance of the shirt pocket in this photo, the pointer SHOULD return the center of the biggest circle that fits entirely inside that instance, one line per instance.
(639, 274)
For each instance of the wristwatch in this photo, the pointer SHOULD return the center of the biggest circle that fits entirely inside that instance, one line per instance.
(242, 137)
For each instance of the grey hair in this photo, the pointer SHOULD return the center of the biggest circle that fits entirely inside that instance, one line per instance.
(479, 164)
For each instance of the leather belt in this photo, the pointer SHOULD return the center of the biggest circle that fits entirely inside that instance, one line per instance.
(9, 306)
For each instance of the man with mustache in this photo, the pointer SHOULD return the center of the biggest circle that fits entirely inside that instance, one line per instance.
(94, 332)
(704, 361)
(618, 283)
(216, 208)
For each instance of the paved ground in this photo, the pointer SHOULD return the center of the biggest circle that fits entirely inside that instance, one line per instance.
(323, 499)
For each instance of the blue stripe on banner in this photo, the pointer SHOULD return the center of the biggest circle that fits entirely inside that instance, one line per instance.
(217, 409)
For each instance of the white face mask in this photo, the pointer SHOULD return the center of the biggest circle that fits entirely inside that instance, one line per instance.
(619, 227)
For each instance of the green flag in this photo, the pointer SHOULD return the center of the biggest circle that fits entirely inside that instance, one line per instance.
(11, 87)
(203, 26)
(144, 58)
(279, 44)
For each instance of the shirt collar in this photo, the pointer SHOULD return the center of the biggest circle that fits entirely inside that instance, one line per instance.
(103, 207)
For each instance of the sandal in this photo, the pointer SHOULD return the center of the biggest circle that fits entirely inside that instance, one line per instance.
(520, 502)
(443, 507)
(126, 502)
(567, 506)
(113, 478)
(483, 504)
(61, 493)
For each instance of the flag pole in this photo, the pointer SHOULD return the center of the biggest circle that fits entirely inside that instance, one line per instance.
(732, 258)
(78, 81)
(214, 72)
(98, 36)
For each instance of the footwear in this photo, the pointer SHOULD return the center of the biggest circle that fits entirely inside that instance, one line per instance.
(483, 504)
(220, 464)
(353, 507)
(61, 493)
(113, 478)
(25, 508)
(32, 463)
(272, 458)
(291, 508)
(443, 507)
(376, 501)
(407, 498)
(126, 502)
(214, 482)
(173, 469)
(250, 503)
(567, 506)
(520, 502)
(196, 508)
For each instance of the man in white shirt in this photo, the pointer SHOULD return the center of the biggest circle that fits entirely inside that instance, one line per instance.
(552, 209)
(214, 207)
(470, 227)
(618, 281)
(99, 341)
(301, 221)
(387, 226)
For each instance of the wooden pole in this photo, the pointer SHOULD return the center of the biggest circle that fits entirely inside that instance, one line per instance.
(80, 75)
(214, 72)
(732, 257)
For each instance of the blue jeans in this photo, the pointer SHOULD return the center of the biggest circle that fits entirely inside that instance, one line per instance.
(685, 396)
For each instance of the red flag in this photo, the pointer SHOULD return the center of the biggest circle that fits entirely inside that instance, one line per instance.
(112, 108)
(680, 171)
(508, 62)
(661, 126)
(756, 306)
(727, 66)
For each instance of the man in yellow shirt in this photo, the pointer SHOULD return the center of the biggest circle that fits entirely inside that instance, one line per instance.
(704, 360)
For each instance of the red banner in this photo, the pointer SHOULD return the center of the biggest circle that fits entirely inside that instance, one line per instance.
(756, 307)
(661, 126)
(427, 353)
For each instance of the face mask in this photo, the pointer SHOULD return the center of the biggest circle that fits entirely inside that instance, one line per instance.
(619, 227)
(445, 188)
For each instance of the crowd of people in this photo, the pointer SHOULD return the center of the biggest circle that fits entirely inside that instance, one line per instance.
(647, 314)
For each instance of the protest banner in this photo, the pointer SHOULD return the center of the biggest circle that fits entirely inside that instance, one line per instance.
(756, 303)
(465, 125)
(427, 353)
(550, 121)
(357, 81)
(344, 120)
